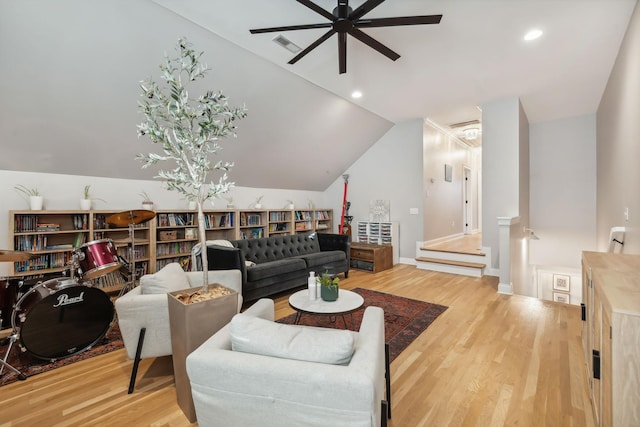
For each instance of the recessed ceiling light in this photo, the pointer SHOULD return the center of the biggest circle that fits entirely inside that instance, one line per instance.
(533, 34)
(356, 94)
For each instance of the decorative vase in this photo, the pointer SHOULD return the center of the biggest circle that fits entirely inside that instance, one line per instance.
(190, 326)
(35, 203)
(85, 204)
(258, 206)
(147, 205)
(329, 293)
(290, 206)
(192, 205)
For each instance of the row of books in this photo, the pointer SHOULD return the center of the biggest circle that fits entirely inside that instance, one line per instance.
(250, 219)
(281, 226)
(302, 215)
(185, 262)
(224, 220)
(45, 261)
(255, 233)
(278, 216)
(322, 215)
(172, 220)
(174, 248)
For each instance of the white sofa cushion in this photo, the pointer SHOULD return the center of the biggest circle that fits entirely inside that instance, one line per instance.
(169, 279)
(251, 334)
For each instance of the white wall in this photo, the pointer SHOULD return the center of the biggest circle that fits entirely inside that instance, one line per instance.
(390, 170)
(563, 190)
(618, 150)
(500, 168)
(65, 191)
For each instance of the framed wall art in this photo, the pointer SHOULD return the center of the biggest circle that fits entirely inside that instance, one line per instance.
(562, 282)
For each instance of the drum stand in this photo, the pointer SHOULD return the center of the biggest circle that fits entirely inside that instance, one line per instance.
(13, 338)
(131, 281)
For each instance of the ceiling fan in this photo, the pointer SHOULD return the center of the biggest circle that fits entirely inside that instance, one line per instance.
(345, 20)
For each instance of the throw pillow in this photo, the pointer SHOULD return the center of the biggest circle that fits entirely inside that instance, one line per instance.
(251, 334)
(169, 279)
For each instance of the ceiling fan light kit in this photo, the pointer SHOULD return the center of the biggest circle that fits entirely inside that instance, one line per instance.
(344, 20)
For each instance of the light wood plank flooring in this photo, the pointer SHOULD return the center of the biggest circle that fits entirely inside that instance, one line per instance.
(489, 360)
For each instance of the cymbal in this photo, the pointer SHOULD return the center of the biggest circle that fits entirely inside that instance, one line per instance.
(16, 256)
(123, 219)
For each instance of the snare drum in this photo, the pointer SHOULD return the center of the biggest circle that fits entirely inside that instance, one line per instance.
(59, 318)
(97, 258)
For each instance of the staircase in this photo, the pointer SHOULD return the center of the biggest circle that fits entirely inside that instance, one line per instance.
(449, 257)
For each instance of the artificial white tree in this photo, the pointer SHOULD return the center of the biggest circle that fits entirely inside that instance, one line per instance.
(189, 130)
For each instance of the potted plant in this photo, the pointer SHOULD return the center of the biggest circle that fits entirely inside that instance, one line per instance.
(86, 201)
(35, 199)
(329, 286)
(189, 130)
(147, 203)
(230, 204)
(257, 204)
(290, 204)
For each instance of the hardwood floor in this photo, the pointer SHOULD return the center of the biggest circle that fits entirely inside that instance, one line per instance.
(489, 360)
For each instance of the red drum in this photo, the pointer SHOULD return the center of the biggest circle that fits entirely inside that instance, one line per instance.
(59, 318)
(8, 296)
(97, 258)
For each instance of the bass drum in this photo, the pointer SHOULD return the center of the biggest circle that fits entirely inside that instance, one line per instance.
(8, 296)
(59, 318)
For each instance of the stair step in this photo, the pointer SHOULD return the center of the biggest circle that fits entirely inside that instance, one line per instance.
(432, 249)
(449, 262)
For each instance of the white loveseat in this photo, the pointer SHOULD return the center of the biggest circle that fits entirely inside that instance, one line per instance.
(143, 314)
(237, 388)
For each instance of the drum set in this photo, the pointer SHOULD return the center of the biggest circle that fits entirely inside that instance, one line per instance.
(64, 316)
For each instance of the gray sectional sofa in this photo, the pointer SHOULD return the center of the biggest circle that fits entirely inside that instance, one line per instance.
(278, 263)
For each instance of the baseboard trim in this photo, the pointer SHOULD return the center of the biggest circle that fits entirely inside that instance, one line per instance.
(505, 288)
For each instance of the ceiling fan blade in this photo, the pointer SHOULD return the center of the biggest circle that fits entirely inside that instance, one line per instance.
(404, 20)
(342, 53)
(290, 28)
(317, 9)
(312, 46)
(374, 44)
(364, 8)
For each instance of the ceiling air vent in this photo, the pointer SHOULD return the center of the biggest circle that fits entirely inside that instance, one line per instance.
(287, 44)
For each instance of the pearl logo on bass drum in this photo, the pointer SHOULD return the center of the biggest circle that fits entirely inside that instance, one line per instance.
(65, 300)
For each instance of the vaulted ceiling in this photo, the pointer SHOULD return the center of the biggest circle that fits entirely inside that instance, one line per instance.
(70, 71)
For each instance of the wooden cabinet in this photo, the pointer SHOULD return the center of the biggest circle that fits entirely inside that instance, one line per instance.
(611, 336)
(371, 257)
(380, 233)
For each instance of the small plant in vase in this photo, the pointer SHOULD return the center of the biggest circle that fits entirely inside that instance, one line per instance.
(290, 204)
(35, 199)
(86, 201)
(230, 204)
(329, 286)
(147, 203)
(258, 203)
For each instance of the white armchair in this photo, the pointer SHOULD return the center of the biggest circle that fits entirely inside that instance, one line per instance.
(143, 314)
(238, 388)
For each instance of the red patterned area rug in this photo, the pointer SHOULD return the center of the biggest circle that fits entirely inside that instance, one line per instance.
(30, 365)
(404, 318)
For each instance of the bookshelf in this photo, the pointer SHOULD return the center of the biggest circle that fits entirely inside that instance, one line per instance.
(51, 235)
(169, 237)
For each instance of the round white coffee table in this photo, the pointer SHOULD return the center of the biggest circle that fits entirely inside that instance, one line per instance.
(347, 303)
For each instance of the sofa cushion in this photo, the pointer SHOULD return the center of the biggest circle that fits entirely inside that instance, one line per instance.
(169, 279)
(251, 334)
(318, 259)
(274, 268)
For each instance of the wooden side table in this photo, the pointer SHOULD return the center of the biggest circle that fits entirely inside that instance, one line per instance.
(371, 257)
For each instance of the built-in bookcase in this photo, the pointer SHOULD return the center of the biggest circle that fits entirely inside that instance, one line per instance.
(168, 237)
